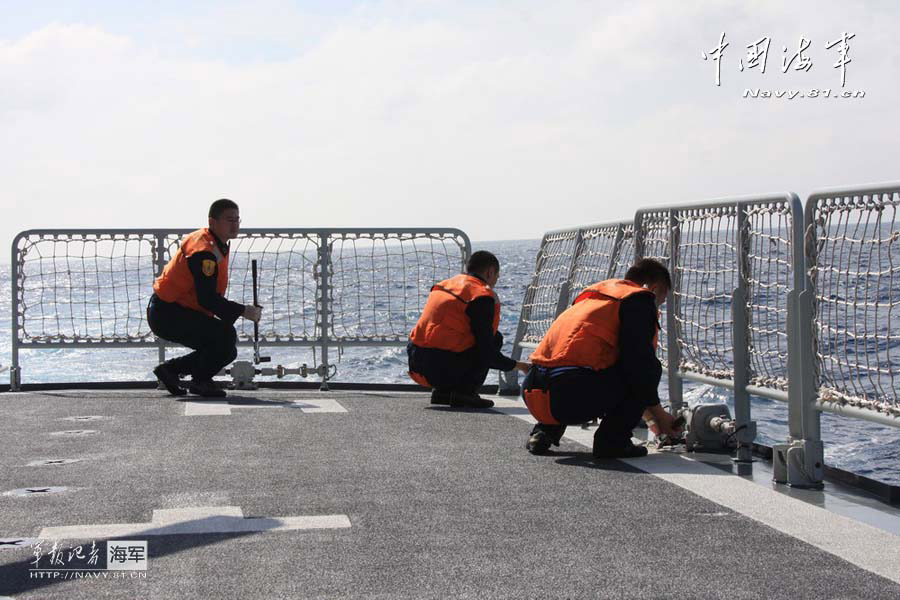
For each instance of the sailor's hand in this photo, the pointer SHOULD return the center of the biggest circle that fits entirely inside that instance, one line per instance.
(662, 423)
(523, 367)
(253, 313)
(667, 426)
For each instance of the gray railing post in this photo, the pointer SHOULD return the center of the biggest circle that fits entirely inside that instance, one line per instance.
(509, 380)
(324, 304)
(673, 353)
(800, 462)
(15, 371)
(745, 428)
(160, 262)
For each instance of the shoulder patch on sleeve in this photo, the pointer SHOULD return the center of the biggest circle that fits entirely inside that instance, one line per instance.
(209, 267)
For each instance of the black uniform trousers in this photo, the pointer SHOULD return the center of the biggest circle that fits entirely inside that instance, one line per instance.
(213, 340)
(451, 371)
(579, 395)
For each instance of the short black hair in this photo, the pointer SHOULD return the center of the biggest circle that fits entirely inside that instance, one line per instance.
(648, 271)
(219, 206)
(481, 260)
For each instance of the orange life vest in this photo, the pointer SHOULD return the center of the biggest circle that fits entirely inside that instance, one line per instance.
(587, 333)
(176, 284)
(444, 323)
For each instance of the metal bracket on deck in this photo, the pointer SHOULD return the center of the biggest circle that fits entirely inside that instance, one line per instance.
(243, 372)
(710, 428)
(798, 464)
(15, 379)
(509, 383)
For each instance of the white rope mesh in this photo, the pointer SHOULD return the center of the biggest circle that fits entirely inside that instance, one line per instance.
(286, 284)
(85, 288)
(552, 270)
(379, 282)
(94, 287)
(606, 251)
(567, 262)
(705, 276)
(770, 274)
(855, 270)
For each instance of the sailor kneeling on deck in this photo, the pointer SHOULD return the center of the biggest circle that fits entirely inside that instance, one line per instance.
(598, 359)
(189, 307)
(455, 342)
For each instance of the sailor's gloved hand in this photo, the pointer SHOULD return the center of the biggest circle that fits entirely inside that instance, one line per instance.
(523, 367)
(253, 313)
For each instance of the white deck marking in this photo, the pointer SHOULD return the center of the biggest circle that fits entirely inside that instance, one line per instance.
(318, 405)
(203, 408)
(203, 519)
(206, 408)
(865, 546)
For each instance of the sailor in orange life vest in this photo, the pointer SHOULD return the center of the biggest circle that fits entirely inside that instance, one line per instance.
(598, 359)
(188, 306)
(455, 342)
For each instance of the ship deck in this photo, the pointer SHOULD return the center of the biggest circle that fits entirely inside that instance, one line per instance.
(378, 494)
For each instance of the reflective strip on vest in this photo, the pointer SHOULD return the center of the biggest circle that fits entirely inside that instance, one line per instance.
(444, 323)
(176, 283)
(587, 333)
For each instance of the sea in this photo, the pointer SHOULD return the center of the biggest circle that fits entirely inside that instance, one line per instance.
(853, 445)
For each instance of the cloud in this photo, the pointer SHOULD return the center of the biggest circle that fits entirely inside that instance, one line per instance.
(502, 121)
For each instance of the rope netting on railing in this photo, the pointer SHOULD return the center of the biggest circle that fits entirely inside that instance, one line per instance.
(93, 286)
(379, 282)
(552, 269)
(88, 287)
(853, 258)
(706, 274)
(286, 264)
(606, 251)
(768, 251)
(567, 262)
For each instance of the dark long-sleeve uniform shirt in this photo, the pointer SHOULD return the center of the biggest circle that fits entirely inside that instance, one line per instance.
(207, 296)
(638, 318)
(481, 314)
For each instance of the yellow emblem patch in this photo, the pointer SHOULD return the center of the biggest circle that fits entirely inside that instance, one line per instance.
(209, 267)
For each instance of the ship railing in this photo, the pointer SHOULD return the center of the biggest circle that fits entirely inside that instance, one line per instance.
(321, 288)
(746, 314)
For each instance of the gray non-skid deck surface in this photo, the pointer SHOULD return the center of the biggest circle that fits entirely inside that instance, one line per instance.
(442, 504)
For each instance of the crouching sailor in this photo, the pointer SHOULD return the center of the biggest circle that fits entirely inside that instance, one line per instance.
(598, 359)
(455, 342)
(189, 307)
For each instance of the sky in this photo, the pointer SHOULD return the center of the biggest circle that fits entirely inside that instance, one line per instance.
(504, 119)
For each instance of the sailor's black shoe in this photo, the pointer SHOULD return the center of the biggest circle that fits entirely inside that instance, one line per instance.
(627, 451)
(440, 397)
(206, 388)
(169, 378)
(460, 400)
(538, 443)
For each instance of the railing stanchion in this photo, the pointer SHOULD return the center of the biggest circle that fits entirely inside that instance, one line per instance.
(745, 428)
